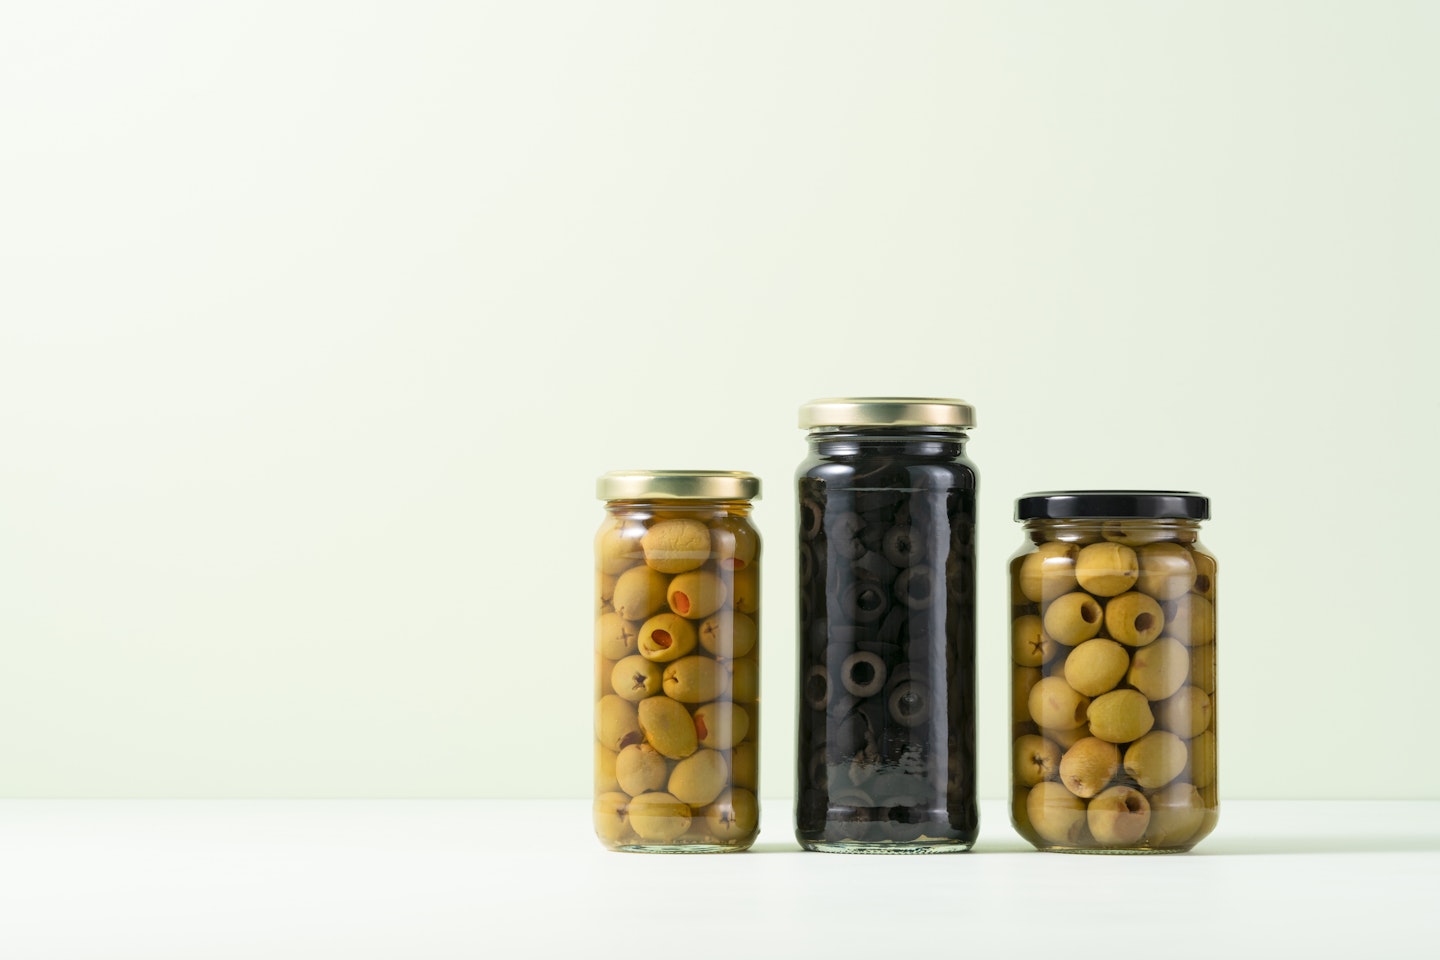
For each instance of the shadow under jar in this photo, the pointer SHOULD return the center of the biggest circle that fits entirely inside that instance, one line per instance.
(1112, 651)
(886, 732)
(677, 662)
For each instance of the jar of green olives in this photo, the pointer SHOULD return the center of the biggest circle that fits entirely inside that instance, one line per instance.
(1112, 650)
(886, 550)
(677, 662)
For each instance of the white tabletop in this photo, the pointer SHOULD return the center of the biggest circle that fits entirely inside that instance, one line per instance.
(490, 878)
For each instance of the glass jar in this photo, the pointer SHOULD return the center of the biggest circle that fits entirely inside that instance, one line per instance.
(886, 738)
(677, 662)
(1112, 649)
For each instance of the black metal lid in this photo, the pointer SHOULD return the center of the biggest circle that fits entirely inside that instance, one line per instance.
(1113, 505)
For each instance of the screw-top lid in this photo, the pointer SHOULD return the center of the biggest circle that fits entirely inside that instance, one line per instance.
(886, 412)
(678, 485)
(1113, 505)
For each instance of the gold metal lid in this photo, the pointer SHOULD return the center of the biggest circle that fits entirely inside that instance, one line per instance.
(886, 412)
(678, 485)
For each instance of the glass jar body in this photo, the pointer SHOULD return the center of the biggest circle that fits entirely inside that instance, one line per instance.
(1112, 652)
(677, 677)
(886, 646)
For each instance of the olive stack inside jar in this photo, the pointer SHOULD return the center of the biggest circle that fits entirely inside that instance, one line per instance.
(886, 733)
(1112, 644)
(677, 662)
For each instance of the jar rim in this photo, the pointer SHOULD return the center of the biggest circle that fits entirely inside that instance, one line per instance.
(1113, 505)
(677, 485)
(886, 412)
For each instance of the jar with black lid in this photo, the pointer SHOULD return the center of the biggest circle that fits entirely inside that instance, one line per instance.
(677, 662)
(1112, 648)
(886, 733)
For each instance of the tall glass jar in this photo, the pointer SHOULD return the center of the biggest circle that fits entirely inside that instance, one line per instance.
(886, 738)
(1112, 649)
(677, 662)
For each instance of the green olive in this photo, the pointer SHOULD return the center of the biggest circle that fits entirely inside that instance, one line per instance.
(605, 781)
(667, 726)
(1049, 572)
(1166, 570)
(617, 545)
(605, 586)
(1035, 759)
(1055, 813)
(603, 668)
(1120, 716)
(611, 823)
(1156, 759)
(1074, 618)
(1176, 812)
(1192, 619)
(720, 725)
(1204, 575)
(1202, 667)
(1055, 705)
(745, 765)
(1185, 714)
(640, 768)
(1065, 739)
(1202, 759)
(639, 593)
(674, 546)
(729, 634)
(695, 680)
(1159, 669)
(616, 723)
(615, 637)
(1107, 569)
(696, 594)
(1029, 647)
(1096, 666)
(665, 637)
(734, 544)
(733, 816)
(1088, 766)
(1118, 816)
(744, 680)
(635, 678)
(699, 778)
(1022, 680)
(658, 817)
(745, 589)
(1134, 619)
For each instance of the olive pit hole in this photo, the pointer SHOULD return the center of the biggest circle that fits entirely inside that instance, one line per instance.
(1144, 621)
(1090, 612)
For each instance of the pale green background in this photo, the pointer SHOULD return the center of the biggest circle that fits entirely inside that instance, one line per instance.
(317, 321)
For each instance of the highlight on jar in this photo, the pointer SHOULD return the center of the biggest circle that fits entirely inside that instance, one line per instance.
(677, 679)
(1112, 648)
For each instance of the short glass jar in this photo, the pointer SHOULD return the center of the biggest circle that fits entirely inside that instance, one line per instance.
(677, 662)
(886, 732)
(1112, 650)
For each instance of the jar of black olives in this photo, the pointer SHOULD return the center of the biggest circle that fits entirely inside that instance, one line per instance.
(677, 675)
(886, 737)
(1112, 649)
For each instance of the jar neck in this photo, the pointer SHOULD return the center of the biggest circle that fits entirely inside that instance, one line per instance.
(939, 442)
(679, 508)
(1136, 531)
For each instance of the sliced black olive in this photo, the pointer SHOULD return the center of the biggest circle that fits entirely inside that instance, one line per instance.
(864, 602)
(863, 673)
(915, 587)
(817, 687)
(900, 546)
(910, 704)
